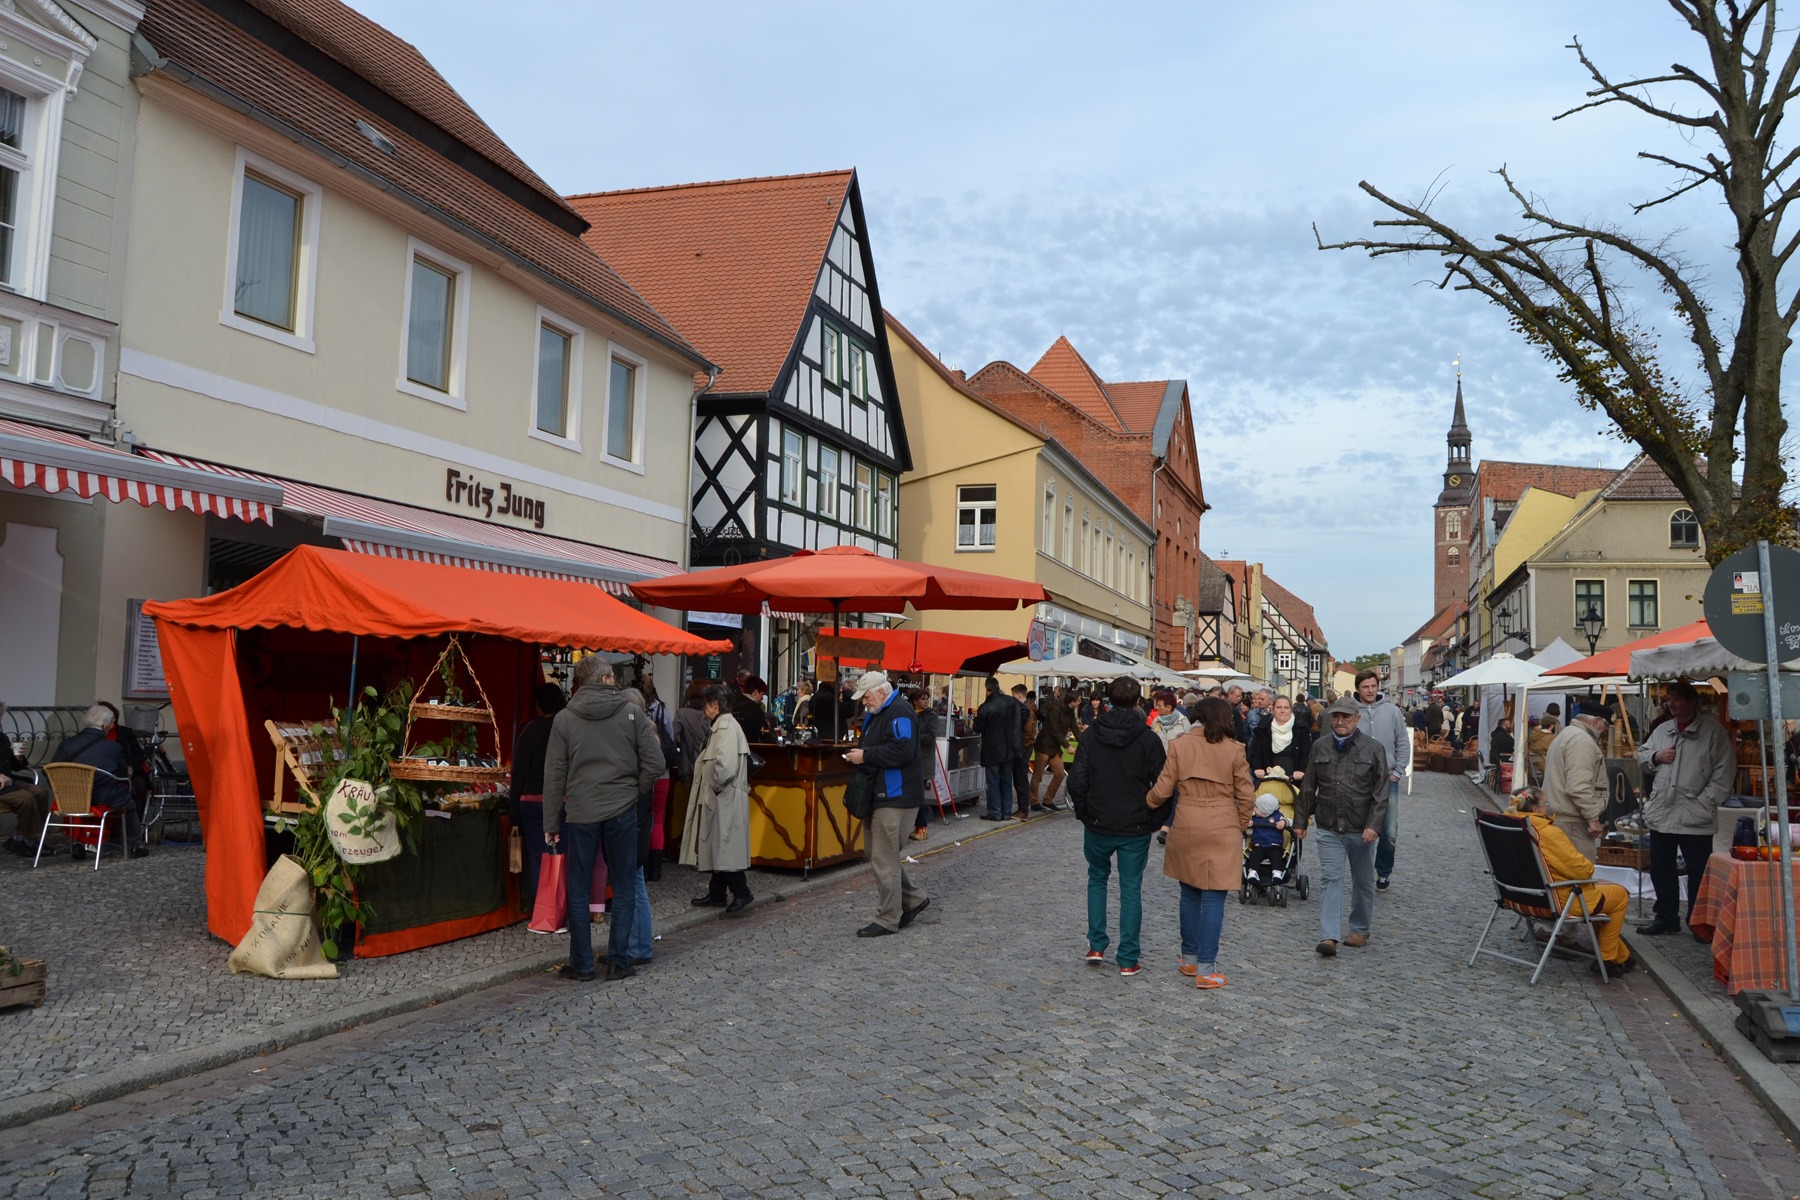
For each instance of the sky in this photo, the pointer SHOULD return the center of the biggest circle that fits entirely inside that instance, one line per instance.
(1145, 179)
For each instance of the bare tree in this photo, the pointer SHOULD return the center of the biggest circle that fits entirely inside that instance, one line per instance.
(1566, 287)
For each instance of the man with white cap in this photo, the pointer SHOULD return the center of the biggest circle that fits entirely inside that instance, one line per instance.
(889, 752)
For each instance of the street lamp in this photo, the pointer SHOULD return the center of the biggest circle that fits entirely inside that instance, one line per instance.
(1506, 618)
(1592, 624)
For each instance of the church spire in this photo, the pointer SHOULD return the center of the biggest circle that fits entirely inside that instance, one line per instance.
(1459, 468)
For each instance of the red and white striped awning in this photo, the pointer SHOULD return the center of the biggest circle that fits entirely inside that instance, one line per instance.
(393, 530)
(49, 460)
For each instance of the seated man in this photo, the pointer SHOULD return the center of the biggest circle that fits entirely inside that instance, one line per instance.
(112, 786)
(26, 800)
(1566, 862)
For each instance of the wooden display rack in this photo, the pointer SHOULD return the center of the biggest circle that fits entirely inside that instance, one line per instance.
(300, 751)
(418, 769)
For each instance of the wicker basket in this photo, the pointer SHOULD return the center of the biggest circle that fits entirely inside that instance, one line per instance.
(1636, 858)
(450, 712)
(426, 771)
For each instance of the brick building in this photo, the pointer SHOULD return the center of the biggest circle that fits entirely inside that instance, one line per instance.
(1138, 439)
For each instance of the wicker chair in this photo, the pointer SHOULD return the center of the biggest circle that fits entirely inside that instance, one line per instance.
(72, 786)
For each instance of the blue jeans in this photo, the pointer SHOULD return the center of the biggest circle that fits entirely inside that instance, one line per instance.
(1390, 832)
(1000, 790)
(1133, 852)
(641, 932)
(616, 839)
(1341, 854)
(1202, 920)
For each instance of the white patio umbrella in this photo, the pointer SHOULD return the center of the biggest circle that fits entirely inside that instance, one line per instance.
(1073, 666)
(1499, 669)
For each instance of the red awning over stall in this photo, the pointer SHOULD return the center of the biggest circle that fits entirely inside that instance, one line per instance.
(929, 651)
(336, 591)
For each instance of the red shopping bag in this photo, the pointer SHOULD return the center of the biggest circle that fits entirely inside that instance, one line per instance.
(547, 915)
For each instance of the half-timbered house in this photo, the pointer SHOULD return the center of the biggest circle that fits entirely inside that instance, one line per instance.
(799, 442)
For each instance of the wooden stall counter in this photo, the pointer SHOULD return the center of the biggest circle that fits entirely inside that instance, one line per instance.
(797, 816)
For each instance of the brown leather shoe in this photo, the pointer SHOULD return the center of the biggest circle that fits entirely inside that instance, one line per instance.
(1356, 939)
(1326, 948)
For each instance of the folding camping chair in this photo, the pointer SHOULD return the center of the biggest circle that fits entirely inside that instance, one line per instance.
(1522, 885)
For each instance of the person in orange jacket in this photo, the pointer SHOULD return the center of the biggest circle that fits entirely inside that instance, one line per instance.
(1566, 862)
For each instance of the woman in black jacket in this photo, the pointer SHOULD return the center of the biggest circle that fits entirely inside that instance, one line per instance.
(927, 732)
(1281, 741)
(525, 793)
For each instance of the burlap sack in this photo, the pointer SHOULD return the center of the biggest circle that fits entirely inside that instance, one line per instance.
(283, 943)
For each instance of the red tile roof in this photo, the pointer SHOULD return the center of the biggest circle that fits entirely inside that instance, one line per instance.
(1298, 612)
(732, 263)
(1440, 622)
(1066, 373)
(225, 62)
(1506, 481)
(1642, 479)
(397, 68)
(1138, 404)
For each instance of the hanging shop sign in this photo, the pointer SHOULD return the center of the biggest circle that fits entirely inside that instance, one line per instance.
(468, 491)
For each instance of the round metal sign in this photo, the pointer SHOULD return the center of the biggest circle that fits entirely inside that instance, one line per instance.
(1736, 594)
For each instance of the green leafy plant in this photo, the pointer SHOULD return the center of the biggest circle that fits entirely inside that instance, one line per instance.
(368, 737)
(9, 963)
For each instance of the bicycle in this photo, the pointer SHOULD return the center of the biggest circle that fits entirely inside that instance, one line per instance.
(170, 799)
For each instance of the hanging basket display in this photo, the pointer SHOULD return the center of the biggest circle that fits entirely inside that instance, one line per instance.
(450, 707)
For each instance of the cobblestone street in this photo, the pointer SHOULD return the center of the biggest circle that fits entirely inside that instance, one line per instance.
(976, 1055)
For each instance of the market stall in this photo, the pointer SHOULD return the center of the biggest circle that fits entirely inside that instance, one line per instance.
(797, 816)
(312, 630)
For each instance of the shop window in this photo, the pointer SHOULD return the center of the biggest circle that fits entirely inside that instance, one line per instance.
(977, 514)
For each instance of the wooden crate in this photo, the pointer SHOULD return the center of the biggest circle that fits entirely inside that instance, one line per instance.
(25, 988)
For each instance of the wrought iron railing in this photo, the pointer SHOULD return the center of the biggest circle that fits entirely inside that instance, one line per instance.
(37, 729)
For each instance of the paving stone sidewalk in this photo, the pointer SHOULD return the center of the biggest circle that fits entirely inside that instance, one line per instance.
(134, 975)
(974, 1056)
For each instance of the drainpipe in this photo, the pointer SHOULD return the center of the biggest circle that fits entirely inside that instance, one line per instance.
(1155, 553)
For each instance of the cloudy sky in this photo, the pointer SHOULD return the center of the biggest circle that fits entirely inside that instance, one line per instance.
(1144, 178)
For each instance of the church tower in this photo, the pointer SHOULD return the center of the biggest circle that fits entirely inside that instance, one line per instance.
(1450, 515)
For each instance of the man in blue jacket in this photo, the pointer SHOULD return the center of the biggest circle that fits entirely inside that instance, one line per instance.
(889, 751)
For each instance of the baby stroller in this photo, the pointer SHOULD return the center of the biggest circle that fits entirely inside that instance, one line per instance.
(1271, 871)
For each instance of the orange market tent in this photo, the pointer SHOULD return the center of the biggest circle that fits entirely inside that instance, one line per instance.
(220, 667)
(1617, 661)
(932, 652)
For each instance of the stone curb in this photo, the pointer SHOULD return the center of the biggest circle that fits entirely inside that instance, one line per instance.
(136, 1077)
(1768, 1081)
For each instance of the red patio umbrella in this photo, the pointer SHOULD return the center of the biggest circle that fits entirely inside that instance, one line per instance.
(835, 580)
(934, 652)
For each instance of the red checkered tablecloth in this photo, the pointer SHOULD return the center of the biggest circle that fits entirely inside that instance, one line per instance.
(1740, 906)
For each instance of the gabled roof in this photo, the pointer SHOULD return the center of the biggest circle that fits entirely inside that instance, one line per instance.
(1209, 594)
(1138, 404)
(398, 69)
(252, 64)
(1439, 624)
(1507, 481)
(732, 263)
(1298, 612)
(1641, 479)
(1065, 372)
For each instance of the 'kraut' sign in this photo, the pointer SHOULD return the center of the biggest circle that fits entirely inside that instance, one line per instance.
(470, 492)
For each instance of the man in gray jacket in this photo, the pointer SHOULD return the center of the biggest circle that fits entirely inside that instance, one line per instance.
(1690, 765)
(603, 754)
(1381, 721)
(1343, 799)
(1575, 787)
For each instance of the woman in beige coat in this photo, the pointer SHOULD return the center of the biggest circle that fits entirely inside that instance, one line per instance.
(716, 836)
(1209, 776)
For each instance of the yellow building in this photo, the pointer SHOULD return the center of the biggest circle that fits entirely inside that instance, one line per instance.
(989, 493)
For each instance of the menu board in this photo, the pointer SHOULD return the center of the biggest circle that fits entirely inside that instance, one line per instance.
(143, 659)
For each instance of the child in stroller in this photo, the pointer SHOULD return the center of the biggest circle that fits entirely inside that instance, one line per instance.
(1271, 851)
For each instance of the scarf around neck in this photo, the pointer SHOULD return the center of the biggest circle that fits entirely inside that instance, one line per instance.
(1280, 735)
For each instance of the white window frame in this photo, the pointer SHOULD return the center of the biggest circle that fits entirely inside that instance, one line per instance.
(306, 271)
(1068, 533)
(977, 506)
(1692, 519)
(829, 501)
(577, 344)
(796, 497)
(640, 407)
(887, 506)
(46, 98)
(1049, 546)
(461, 274)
